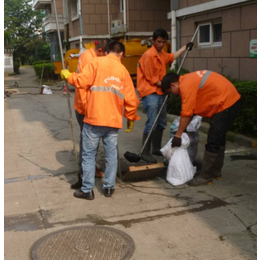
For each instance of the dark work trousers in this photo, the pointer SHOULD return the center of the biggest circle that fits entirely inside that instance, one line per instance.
(80, 119)
(219, 125)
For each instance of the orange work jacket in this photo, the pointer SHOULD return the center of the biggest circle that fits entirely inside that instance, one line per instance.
(151, 68)
(81, 94)
(111, 90)
(206, 93)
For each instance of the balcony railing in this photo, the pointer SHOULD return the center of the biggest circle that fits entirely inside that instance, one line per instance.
(40, 4)
(49, 23)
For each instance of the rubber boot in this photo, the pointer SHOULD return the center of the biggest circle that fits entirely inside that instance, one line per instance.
(146, 155)
(78, 184)
(156, 142)
(208, 170)
(219, 164)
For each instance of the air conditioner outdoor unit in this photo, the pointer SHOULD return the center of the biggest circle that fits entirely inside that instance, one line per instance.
(117, 27)
(116, 23)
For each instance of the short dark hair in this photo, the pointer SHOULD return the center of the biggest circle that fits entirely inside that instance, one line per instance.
(103, 44)
(116, 46)
(160, 33)
(168, 79)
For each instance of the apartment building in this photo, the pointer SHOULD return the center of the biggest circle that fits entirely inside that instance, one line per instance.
(228, 31)
(228, 28)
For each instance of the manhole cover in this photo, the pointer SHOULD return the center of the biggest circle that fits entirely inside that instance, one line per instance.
(84, 243)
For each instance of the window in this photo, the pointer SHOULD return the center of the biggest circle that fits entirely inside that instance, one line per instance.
(74, 9)
(210, 34)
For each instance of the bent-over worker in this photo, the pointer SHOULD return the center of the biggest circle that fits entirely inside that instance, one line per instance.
(207, 94)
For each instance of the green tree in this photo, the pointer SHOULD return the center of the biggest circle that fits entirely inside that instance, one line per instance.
(39, 49)
(7, 38)
(24, 25)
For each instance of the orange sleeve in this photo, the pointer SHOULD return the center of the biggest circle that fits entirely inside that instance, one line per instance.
(86, 78)
(131, 101)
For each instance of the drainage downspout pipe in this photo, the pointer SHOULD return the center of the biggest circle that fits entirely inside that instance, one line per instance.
(125, 16)
(108, 18)
(80, 25)
(173, 35)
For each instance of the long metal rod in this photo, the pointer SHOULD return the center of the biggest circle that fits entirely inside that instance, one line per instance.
(67, 88)
(42, 75)
(166, 97)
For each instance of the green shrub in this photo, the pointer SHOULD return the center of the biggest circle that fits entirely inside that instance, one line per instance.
(246, 121)
(48, 71)
(16, 67)
(182, 71)
(40, 62)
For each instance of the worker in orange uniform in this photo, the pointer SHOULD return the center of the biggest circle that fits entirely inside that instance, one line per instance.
(81, 96)
(207, 94)
(150, 71)
(111, 92)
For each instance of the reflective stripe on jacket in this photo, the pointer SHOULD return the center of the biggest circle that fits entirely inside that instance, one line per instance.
(151, 68)
(206, 93)
(81, 94)
(111, 90)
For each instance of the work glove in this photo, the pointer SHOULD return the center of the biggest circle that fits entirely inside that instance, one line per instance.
(176, 141)
(64, 74)
(130, 125)
(189, 44)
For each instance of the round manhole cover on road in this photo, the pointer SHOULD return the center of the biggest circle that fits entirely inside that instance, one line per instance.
(84, 243)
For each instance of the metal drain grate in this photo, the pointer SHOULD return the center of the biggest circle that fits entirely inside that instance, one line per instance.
(84, 243)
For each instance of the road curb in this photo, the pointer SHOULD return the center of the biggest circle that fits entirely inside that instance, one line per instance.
(231, 136)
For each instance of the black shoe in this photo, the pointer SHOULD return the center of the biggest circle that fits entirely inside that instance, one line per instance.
(108, 192)
(84, 195)
(77, 185)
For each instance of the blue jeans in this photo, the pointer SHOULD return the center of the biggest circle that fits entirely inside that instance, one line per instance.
(152, 104)
(91, 136)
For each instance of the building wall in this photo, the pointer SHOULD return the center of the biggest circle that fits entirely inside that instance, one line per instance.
(141, 16)
(188, 3)
(148, 15)
(239, 26)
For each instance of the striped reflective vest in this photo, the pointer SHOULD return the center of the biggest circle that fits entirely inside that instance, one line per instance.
(206, 93)
(112, 92)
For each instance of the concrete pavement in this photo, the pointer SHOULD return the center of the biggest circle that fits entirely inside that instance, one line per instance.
(217, 221)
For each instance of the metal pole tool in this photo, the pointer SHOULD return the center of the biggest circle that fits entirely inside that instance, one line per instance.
(132, 157)
(67, 88)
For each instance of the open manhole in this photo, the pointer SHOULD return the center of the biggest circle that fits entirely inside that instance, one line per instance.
(84, 243)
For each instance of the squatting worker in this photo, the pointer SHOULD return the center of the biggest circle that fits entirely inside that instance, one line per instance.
(207, 94)
(150, 71)
(81, 97)
(111, 92)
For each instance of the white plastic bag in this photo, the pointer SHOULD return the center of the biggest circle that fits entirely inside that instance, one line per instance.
(193, 126)
(180, 169)
(46, 90)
